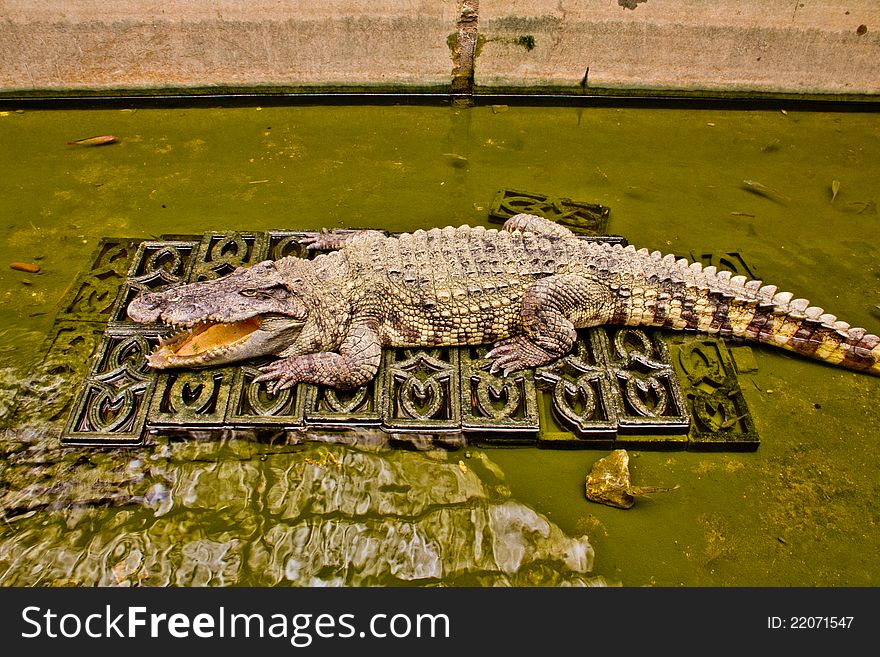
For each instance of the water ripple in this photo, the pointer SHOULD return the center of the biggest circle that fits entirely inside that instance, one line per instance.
(233, 512)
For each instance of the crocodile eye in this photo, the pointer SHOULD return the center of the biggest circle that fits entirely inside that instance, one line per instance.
(249, 292)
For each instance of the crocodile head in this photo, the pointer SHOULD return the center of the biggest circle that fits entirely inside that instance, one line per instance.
(251, 312)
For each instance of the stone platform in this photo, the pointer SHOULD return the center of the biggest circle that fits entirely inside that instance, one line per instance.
(620, 387)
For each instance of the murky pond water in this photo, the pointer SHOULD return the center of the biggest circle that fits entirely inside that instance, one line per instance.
(801, 510)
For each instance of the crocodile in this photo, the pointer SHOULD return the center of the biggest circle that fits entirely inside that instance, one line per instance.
(525, 289)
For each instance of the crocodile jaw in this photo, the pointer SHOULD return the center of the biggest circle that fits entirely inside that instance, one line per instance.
(215, 343)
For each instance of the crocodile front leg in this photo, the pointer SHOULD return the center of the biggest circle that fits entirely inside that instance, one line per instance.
(356, 363)
(552, 308)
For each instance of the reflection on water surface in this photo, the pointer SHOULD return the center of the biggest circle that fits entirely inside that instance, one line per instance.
(217, 512)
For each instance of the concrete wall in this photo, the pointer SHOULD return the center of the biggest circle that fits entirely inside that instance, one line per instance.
(134, 44)
(730, 45)
(568, 46)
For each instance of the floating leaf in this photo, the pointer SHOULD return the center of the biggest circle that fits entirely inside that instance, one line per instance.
(835, 187)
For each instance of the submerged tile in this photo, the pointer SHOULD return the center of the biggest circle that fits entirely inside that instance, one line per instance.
(579, 216)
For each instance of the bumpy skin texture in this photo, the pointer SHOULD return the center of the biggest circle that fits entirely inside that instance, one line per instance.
(525, 288)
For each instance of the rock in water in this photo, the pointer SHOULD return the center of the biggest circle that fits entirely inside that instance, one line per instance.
(609, 482)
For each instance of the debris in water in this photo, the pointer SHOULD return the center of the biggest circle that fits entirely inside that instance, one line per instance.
(864, 207)
(638, 193)
(100, 140)
(609, 482)
(761, 189)
(498, 109)
(772, 147)
(456, 160)
(735, 213)
(29, 267)
(835, 187)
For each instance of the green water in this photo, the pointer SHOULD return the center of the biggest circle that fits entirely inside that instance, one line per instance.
(802, 510)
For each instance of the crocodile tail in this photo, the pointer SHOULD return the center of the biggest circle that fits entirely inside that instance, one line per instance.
(688, 296)
(794, 325)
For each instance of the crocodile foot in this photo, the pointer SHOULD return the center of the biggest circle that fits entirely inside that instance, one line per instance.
(517, 353)
(279, 375)
(326, 240)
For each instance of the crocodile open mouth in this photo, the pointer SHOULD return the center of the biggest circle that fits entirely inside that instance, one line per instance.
(206, 342)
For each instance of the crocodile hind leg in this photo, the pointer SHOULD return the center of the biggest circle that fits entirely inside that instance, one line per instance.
(552, 308)
(334, 240)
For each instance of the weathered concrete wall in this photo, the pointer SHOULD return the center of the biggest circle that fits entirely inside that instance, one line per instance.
(824, 46)
(735, 45)
(132, 44)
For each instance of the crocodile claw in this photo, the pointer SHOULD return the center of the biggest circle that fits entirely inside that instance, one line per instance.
(279, 375)
(326, 240)
(516, 353)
